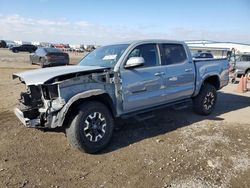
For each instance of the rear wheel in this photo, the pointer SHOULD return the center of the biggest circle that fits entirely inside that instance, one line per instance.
(15, 51)
(205, 101)
(91, 128)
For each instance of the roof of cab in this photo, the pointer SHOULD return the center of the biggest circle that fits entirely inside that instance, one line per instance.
(149, 41)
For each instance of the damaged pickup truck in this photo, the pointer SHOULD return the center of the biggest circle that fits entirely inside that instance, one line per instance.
(117, 81)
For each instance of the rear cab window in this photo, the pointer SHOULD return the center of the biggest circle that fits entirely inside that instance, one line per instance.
(173, 54)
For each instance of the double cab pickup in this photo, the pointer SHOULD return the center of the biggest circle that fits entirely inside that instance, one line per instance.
(116, 81)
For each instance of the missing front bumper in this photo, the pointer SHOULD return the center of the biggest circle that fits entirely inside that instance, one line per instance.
(31, 123)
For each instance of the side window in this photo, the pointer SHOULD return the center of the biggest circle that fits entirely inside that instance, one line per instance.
(203, 55)
(148, 52)
(209, 56)
(173, 54)
(245, 58)
(40, 52)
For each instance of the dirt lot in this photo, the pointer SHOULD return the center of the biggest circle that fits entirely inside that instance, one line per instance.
(175, 149)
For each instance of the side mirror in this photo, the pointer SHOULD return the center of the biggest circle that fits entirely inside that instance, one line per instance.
(134, 62)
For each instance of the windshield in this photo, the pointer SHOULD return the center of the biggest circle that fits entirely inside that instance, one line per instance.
(106, 56)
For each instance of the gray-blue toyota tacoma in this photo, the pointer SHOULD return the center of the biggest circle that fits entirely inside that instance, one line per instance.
(116, 81)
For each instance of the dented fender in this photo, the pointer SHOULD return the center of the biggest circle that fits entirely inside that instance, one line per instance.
(58, 122)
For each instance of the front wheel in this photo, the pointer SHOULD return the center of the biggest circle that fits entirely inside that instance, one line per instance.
(42, 61)
(91, 128)
(31, 61)
(205, 101)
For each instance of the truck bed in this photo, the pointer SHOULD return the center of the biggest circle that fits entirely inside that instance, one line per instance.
(207, 67)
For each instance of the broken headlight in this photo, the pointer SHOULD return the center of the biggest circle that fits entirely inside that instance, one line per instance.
(50, 92)
(32, 97)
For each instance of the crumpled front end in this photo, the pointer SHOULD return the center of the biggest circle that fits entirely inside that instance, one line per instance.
(37, 104)
(42, 104)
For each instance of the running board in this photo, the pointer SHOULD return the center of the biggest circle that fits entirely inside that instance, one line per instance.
(184, 102)
(145, 116)
(180, 106)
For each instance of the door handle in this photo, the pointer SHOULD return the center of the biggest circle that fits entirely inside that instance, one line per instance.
(188, 70)
(159, 73)
(174, 78)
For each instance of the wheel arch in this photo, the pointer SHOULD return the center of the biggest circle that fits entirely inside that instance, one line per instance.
(213, 80)
(248, 69)
(72, 106)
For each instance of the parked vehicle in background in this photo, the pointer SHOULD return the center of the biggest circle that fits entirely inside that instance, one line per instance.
(242, 66)
(90, 48)
(116, 81)
(10, 43)
(24, 48)
(203, 55)
(46, 57)
(61, 46)
(80, 50)
(3, 44)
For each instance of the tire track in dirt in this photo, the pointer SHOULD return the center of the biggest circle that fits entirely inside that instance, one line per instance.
(6, 117)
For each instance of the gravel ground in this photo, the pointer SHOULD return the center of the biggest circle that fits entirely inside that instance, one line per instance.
(174, 149)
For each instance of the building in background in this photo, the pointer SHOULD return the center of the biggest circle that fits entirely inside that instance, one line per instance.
(218, 49)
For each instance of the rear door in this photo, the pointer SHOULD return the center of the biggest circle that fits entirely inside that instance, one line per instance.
(144, 86)
(26, 48)
(179, 72)
(23, 48)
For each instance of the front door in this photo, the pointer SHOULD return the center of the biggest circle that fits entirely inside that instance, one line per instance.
(144, 86)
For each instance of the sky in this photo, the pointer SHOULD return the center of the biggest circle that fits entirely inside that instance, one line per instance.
(106, 21)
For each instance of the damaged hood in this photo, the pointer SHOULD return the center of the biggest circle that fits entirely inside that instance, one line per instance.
(40, 76)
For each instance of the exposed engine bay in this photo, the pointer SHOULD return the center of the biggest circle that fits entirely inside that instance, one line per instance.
(39, 104)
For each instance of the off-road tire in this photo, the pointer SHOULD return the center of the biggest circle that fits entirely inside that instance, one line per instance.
(76, 132)
(204, 102)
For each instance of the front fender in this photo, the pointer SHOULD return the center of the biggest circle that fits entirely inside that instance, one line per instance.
(60, 117)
